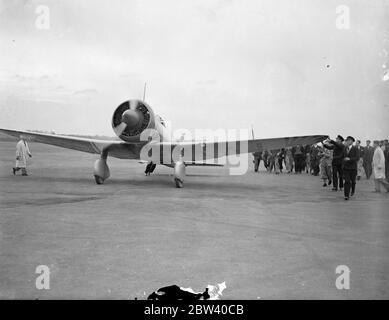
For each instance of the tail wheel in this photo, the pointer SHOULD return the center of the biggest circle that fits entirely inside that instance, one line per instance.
(99, 180)
(179, 183)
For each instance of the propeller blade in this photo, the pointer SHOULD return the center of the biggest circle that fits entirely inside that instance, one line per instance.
(120, 128)
(133, 104)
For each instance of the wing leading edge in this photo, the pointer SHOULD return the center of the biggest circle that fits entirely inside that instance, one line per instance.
(118, 149)
(200, 151)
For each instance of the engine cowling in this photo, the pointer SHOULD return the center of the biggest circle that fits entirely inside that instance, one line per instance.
(131, 118)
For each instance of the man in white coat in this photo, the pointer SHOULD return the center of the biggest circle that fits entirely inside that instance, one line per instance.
(378, 164)
(22, 151)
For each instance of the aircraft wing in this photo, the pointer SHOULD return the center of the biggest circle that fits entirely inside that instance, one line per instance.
(199, 151)
(118, 149)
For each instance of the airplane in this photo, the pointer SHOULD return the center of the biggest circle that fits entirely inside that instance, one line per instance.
(132, 119)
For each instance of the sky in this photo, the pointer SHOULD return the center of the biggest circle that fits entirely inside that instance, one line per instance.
(284, 67)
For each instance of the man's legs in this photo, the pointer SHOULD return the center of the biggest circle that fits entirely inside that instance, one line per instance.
(16, 168)
(369, 170)
(365, 168)
(353, 176)
(347, 183)
(340, 174)
(360, 169)
(256, 165)
(323, 173)
(335, 176)
(24, 172)
(148, 168)
(298, 164)
(316, 169)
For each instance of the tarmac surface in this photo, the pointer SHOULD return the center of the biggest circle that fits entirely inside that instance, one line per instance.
(267, 236)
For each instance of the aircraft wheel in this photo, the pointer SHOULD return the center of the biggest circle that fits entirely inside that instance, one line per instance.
(99, 180)
(179, 183)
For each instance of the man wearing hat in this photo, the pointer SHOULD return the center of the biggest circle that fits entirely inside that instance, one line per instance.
(337, 161)
(368, 152)
(350, 167)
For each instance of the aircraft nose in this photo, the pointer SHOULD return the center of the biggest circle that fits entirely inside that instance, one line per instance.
(130, 118)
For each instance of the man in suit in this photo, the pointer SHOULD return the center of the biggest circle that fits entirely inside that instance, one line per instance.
(337, 161)
(350, 167)
(368, 152)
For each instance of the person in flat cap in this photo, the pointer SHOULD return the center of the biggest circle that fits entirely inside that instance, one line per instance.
(350, 167)
(337, 160)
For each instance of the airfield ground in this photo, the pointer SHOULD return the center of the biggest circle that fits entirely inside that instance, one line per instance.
(267, 236)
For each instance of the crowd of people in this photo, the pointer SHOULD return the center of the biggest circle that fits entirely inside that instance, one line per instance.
(340, 162)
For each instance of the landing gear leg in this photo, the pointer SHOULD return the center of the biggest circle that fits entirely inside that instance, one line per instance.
(101, 170)
(179, 174)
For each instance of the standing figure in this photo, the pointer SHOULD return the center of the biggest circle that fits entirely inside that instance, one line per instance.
(265, 157)
(298, 159)
(337, 161)
(325, 166)
(378, 165)
(277, 158)
(22, 151)
(288, 160)
(360, 169)
(367, 158)
(350, 167)
(308, 159)
(257, 160)
(314, 160)
(271, 161)
(281, 158)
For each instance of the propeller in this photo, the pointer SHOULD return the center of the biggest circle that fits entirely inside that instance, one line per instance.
(130, 117)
